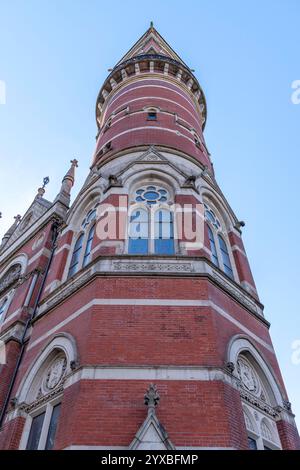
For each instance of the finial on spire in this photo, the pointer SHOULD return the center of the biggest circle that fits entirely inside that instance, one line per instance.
(151, 398)
(41, 191)
(151, 24)
(45, 181)
(74, 162)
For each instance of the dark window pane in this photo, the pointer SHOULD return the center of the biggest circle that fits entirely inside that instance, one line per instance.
(267, 448)
(214, 255)
(2, 307)
(152, 116)
(35, 432)
(252, 443)
(88, 247)
(75, 257)
(225, 257)
(52, 427)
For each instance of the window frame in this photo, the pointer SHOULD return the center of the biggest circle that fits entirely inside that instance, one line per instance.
(85, 229)
(48, 409)
(151, 211)
(88, 244)
(81, 237)
(223, 254)
(4, 301)
(216, 233)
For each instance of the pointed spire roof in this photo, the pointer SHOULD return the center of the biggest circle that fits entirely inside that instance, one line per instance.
(64, 195)
(36, 210)
(11, 230)
(151, 42)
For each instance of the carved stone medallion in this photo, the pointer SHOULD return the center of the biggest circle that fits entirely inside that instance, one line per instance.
(55, 372)
(247, 376)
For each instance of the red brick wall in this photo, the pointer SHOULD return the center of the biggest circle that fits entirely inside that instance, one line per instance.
(11, 434)
(6, 370)
(205, 414)
(288, 435)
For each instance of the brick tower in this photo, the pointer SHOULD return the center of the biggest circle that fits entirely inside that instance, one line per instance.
(120, 330)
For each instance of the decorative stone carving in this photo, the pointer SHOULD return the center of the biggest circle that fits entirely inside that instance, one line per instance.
(152, 267)
(151, 158)
(151, 398)
(266, 432)
(248, 376)
(55, 372)
(10, 277)
(255, 401)
(287, 405)
(230, 366)
(248, 422)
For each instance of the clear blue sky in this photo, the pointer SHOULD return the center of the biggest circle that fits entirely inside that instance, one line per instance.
(54, 56)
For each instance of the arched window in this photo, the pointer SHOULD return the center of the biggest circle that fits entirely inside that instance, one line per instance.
(40, 429)
(146, 237)
(219, 251)
(43, 401)
(257, 405)
(88, 247)
(3, 304)
(139, 232)
(85, 240)
(74, 265)
(213, 249)
(164, 232)
(225, 257)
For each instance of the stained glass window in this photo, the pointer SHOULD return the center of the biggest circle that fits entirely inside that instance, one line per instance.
(151, 195)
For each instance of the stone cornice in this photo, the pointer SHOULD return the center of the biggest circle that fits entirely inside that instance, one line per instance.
(13, 333)
(126, 265)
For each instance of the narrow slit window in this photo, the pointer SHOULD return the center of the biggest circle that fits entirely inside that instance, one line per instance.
(75, 257)
(213, 249)
(139, 232)
(88, 248)
(53, 427)
(225, 257)
(2, 307)
(35, 432)
(164, 233)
